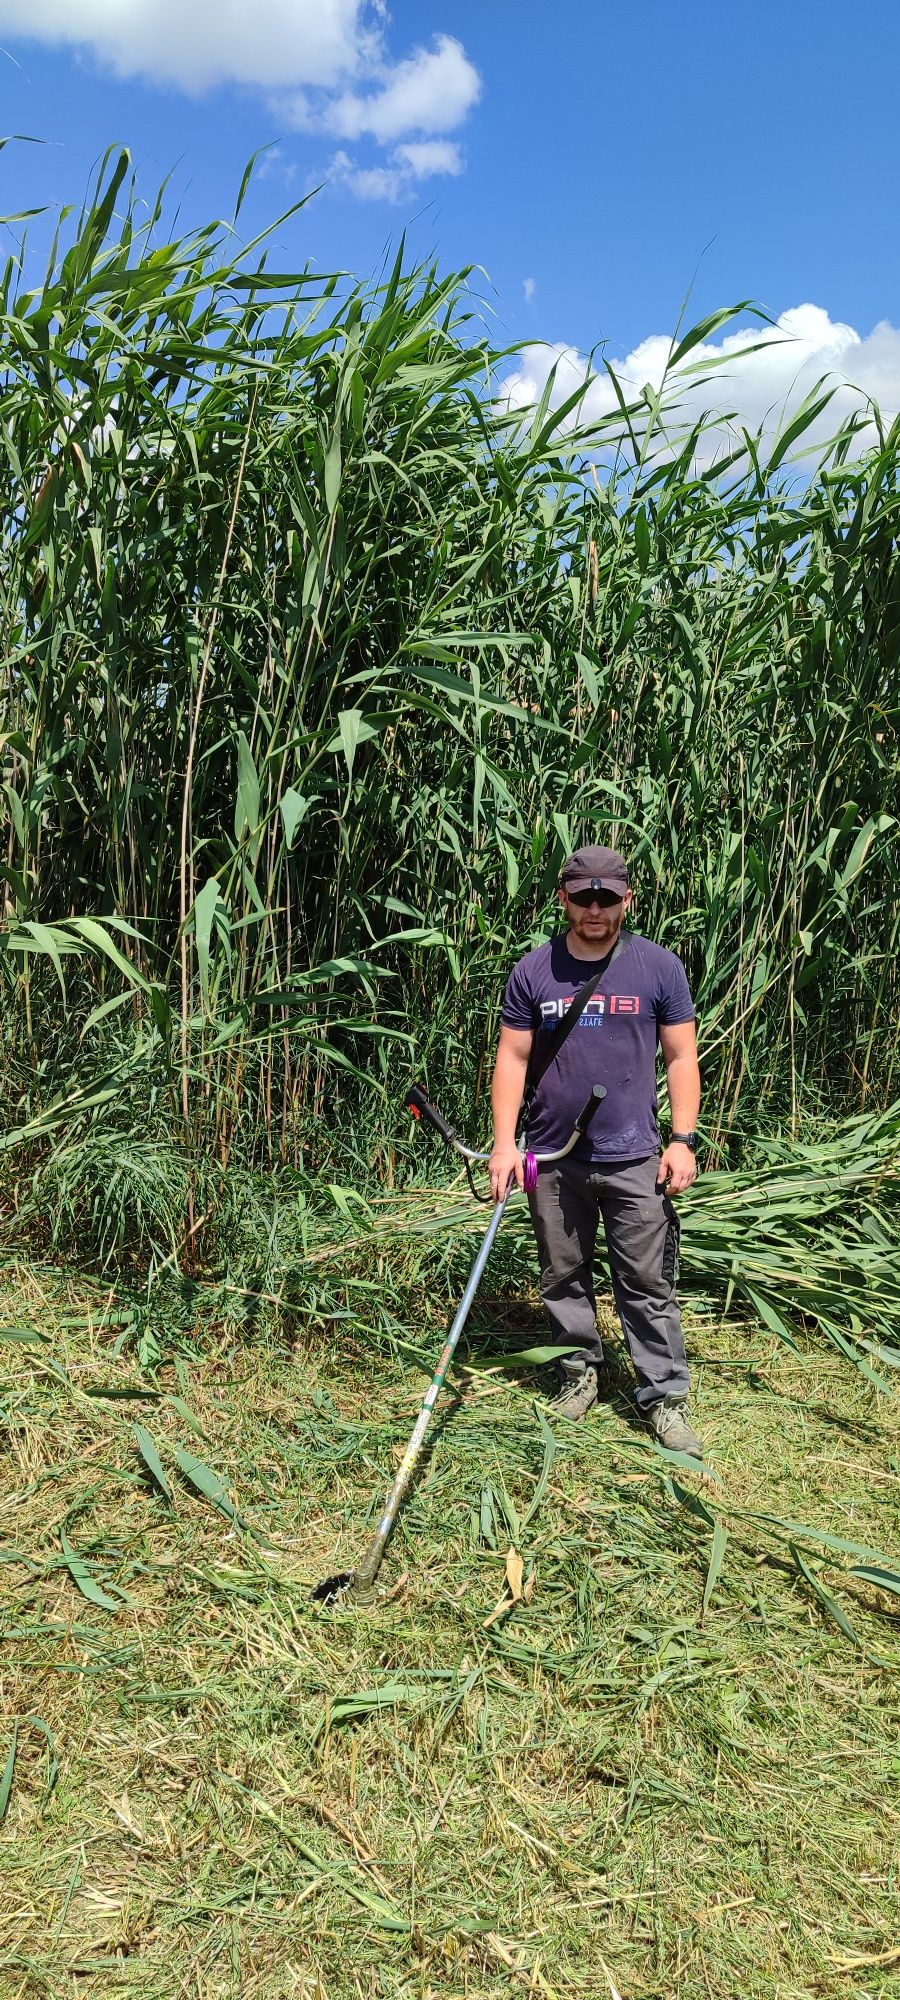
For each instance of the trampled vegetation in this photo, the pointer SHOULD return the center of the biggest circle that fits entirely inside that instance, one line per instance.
(671, 1765)
(318, 659)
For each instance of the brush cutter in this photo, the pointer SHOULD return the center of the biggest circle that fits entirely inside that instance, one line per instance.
(358, 1584)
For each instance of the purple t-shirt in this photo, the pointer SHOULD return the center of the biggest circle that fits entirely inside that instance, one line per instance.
(643, 989)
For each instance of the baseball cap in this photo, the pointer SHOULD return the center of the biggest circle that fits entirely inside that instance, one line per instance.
(596, 868)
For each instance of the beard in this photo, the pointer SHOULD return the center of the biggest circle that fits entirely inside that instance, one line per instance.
(595, 927)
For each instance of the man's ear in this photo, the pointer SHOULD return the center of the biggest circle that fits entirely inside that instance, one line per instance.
(561, 896)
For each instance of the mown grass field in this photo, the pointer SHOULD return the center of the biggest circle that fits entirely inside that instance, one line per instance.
(217, 1790)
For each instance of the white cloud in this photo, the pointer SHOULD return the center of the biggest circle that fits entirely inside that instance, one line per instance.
(409, 164)
(529, 287)
(431, 91)
(325, 65)
(204, 42)
(758, 388)
(368, 183)
(430, 156)
(275, 166)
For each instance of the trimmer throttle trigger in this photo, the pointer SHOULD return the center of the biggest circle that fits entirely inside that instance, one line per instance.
(422, 1107)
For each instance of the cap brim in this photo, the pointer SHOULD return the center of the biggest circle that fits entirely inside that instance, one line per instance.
(578, 882)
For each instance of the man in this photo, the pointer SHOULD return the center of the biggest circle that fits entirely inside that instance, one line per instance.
(640, 998)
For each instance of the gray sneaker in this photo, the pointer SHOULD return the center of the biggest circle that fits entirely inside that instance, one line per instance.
(578, 1393)
(669, 1424)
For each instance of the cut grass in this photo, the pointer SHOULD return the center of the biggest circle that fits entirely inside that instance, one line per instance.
(670, 1771)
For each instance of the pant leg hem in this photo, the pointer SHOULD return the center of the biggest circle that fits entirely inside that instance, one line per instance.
(647, 1399)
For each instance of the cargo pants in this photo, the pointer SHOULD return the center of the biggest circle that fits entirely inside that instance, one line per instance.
(642, 1233)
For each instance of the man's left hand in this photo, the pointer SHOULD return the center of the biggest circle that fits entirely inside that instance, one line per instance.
(678, 1168)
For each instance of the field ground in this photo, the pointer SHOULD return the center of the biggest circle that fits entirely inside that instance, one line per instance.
(214, 1789)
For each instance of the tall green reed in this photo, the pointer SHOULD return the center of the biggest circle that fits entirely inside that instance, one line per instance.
(318, 658)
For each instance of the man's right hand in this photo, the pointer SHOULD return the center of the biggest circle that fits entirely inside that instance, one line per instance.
(505, 1161)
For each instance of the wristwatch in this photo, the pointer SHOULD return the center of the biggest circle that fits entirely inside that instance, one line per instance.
(685, 1139)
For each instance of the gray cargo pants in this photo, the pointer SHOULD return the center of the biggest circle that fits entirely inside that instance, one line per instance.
(642, 1230)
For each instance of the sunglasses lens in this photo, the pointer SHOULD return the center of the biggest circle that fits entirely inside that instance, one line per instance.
(585, 897)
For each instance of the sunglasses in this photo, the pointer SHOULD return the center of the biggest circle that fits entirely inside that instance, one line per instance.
(605, 898)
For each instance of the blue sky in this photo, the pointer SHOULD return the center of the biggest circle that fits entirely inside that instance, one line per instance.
(598, 161)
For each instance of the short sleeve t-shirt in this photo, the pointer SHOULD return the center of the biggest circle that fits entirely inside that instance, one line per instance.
(641, 989)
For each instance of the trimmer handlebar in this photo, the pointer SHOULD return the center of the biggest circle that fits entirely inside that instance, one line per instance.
(422, 1107)
(584, 1117)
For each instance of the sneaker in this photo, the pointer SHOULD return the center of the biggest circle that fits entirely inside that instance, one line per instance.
(669, 1424)
(579, 1390)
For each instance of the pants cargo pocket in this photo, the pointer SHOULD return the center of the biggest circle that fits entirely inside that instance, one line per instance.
(672, 1245)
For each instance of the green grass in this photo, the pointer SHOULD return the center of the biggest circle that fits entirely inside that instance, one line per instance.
(218, 1791)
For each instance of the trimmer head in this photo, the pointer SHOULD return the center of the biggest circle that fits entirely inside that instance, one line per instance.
(332, 1587)
(347, 1587)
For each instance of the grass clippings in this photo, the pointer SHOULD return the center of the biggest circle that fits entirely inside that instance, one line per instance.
(617, 1728)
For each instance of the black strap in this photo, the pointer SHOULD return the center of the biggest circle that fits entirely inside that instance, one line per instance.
(553, 1042)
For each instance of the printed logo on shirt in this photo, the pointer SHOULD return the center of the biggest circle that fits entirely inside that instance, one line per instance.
(625, 1003)
(592, 1013)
